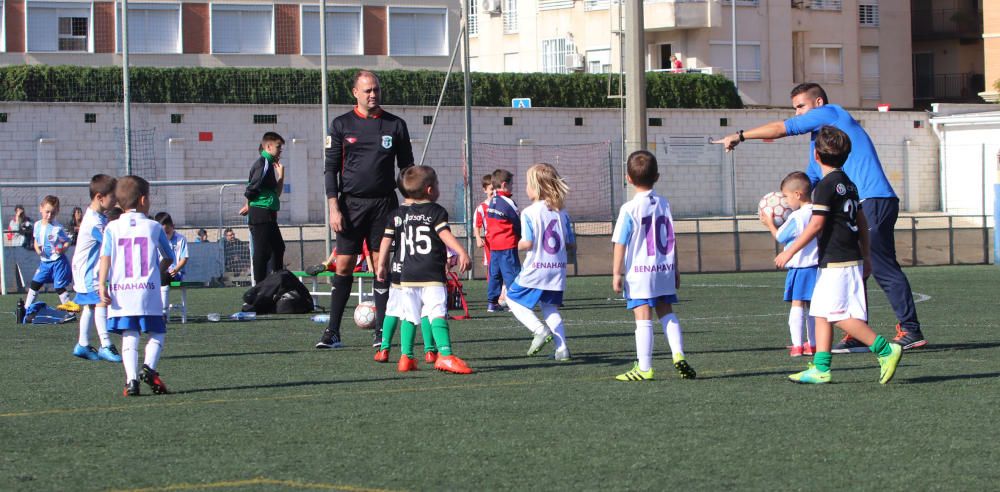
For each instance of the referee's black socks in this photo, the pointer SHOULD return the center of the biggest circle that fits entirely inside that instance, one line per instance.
(341, 291)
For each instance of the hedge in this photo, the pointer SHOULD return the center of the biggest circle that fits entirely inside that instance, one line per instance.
(41, 83)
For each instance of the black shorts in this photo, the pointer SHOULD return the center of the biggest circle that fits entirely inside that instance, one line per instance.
(364, 220)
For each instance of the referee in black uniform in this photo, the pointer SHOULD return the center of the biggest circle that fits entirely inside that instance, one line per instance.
(363, 148)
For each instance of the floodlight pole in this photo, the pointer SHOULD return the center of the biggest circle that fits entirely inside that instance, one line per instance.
(126, 96)
(736, 82)
(324, 112)
(635, 77)
(468, 132)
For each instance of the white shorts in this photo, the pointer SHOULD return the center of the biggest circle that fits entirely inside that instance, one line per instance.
(394, 307)
(839, 294)
(419, 302)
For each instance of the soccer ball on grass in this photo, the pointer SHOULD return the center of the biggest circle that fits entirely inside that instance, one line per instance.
(364, 315)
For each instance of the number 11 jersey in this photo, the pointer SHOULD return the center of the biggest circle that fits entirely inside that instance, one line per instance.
(135, 245)
(646, 229)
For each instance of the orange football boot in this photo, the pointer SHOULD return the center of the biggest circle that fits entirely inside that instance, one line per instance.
(452, 364)
(406, 364)
(382, 356)
(430, 357)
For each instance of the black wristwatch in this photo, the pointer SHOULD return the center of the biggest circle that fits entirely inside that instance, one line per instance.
(742, 138)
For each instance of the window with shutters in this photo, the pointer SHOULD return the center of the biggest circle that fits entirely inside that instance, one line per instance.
(473, 17)
(509, 16)
(868, 13)
(152, 28)
(343, 31)
(418, 31)
(554, 4)
(826, 63)
(59, 26)
(870, 73)
(554, 53)
(747, 59)
(242, 29)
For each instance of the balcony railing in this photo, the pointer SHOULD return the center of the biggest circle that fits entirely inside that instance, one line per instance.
(949, 86)
(946, 23)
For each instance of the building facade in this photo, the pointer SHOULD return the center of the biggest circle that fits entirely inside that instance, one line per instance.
(379, 34)
(948, 61)
(852, 47)
(991, 50)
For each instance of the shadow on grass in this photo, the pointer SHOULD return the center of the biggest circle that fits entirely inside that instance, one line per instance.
(951, 377)
(941, 347)
(293, 384)
(236, 354)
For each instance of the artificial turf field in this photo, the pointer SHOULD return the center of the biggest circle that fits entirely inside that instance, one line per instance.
(255, 407)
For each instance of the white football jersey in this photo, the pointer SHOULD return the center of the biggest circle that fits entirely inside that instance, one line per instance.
(135, 245)
(549, 231)
(88, 251)
(646, 228)
(791, 230)
(179, 244)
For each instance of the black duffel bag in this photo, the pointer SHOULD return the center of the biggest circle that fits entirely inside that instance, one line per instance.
(281, 292)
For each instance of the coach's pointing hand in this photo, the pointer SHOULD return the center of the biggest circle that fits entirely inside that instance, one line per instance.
(729, 141)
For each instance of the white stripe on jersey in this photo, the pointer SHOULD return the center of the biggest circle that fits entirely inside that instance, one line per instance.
(135, 245)
(88, 251)
(646, 228)
(47, 237)
(549, 231)
(808, 256)
(179, 245)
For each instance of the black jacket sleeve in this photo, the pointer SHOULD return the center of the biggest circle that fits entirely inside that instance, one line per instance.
(256, 179)
(404, 157)
(334, 163)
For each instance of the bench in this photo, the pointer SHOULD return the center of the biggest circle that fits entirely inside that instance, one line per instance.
(183, 286)
(361, 293)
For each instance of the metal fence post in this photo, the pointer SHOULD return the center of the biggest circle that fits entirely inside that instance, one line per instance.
(913, 239)
(951, 241)
(697, 239)
(3, 255)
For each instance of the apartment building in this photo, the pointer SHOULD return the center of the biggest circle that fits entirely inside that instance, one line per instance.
(991, 50)
(379, 34)
(858, 49)
(948, 61)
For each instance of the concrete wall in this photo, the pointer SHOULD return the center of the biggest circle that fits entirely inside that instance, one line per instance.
(51, 141)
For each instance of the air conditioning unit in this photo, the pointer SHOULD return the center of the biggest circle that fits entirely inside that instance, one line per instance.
(491, 6)
(799, 4)
(574, 61)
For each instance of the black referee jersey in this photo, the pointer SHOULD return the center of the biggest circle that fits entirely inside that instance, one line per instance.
(361, 153)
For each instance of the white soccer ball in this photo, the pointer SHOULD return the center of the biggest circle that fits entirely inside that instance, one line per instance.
(364, 315)
(775, 205)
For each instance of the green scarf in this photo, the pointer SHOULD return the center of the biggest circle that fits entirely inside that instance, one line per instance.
(268, 197)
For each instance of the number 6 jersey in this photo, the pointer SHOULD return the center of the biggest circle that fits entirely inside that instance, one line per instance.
(422, 253)
(646, 229)
(549, 232)
(135, 245)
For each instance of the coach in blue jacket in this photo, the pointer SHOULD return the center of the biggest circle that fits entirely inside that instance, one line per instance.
(879, 201)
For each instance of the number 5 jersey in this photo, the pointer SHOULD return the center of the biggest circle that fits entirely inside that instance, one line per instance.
(646, 229)
(422, 253)
(135, 245)
(549, 231)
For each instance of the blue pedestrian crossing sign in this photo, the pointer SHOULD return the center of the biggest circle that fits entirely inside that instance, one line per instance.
(520, 103)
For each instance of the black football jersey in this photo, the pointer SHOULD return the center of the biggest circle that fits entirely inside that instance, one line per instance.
(836, 198)
(395, 267)
(421, 253)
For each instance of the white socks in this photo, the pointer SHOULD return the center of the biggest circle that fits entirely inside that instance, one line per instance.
(644, 343)
(64, 297)
(130, 354)
(527, 318)
(811, 329)
(672, 329)
(86, 316)
(554, 321)
(101, 322)
(153, 348)
(165, 297)
(30, 298)
(795, 320)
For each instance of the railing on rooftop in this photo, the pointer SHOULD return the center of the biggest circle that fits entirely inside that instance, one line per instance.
(949, 86)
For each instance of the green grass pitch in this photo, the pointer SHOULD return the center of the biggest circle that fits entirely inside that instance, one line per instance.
(257, 408)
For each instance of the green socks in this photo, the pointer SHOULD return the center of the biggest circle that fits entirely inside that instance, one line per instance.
(822, 361)
(406, 333)
(427, 334)
(881, 347)
(388, 330)
(441, 337)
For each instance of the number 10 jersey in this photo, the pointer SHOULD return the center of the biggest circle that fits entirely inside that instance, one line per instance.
(135, 245)
(646, 229)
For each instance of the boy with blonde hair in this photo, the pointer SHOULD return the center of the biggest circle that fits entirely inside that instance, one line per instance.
(50, 243)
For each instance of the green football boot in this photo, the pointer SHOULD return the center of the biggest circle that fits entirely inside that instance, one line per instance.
(887, 363)
(635, 374)
(811, 376)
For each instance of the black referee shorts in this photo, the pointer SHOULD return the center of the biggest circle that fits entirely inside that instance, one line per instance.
(364, 220)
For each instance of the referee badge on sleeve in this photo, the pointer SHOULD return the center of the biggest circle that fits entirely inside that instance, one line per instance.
(386, 141)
